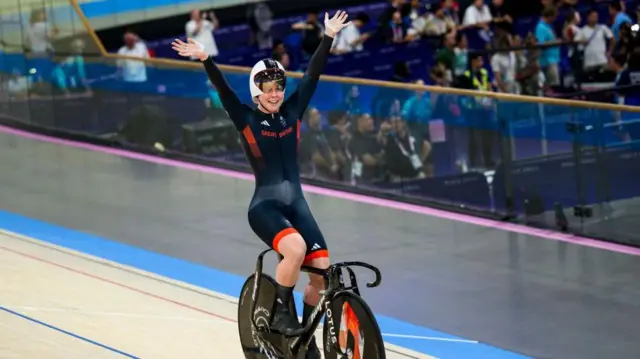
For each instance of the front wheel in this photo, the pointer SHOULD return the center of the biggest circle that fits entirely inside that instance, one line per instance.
(351, 328)
(253, 346)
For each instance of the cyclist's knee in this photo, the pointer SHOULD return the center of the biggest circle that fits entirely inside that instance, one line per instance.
(292, 247)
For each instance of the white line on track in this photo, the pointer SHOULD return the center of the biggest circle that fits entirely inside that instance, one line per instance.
(164, 317)
(430, 338)
(23, 308)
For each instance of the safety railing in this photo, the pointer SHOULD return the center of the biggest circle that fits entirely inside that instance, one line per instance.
(547, 162)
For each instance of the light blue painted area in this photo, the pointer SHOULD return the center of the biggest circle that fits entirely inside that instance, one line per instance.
(101, 8)
(15, 19)
(230, 284)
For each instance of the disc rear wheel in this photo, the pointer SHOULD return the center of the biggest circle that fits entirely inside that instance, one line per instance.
(351, 328)
(253, 346)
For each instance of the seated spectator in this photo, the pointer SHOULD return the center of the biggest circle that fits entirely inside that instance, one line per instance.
(351, 103)
(438, 22)
(415, 9)
(503, 65)
(438, 75)
(312, 32)
(451, 10)
(16, 85)
(317, 157)
(69, 74)
(387, 14)
(594, 38)
(350, 39)
(365, 149)
(461, 60)
(280, 54)
(398, 30)
(406, 156)
(417, 19)
(550, 56)
(418, 107)
(200, 28)
(478, 15)
(446, 56)
(384, 101)
(338, 136)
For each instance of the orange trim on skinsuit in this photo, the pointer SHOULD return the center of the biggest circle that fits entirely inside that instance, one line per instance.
(251, 140)
(323, 253)
(283, 233)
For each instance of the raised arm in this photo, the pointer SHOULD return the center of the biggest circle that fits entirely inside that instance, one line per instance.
(228, 97)
(300, 99)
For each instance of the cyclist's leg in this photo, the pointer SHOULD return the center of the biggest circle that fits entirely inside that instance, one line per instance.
(268, 221)
(317, 256)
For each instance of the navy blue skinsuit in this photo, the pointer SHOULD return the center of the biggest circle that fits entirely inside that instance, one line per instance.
(271, 143)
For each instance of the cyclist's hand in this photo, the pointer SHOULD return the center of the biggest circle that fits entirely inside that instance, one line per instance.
(336, 23)
(191, 48)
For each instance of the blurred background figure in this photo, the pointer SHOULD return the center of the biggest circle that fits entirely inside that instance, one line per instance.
(70, 75)
(259, 17)
(406, 154)
(201, 28)
(317, 157)
(366, 151)
(133, 71)
(350, 38)
(280, 54)
(40, 33)
(312, 31)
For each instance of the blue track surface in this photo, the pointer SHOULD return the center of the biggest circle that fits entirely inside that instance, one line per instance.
(230, 284)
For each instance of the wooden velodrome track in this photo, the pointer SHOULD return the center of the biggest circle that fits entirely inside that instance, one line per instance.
(57, 303)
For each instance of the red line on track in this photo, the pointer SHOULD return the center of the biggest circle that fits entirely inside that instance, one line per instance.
(121, 285)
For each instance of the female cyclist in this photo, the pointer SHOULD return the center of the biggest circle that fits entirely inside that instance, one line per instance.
(278, 211)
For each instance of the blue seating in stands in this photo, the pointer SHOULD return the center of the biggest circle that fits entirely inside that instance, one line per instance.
(377, 59)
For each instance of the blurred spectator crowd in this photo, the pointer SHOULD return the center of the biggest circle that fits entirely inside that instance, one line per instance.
(568, 44)
(477, 45)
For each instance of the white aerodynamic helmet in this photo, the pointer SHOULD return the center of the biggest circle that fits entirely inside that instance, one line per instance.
(266, 70)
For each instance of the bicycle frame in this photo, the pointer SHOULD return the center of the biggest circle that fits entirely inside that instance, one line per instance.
(334, 283)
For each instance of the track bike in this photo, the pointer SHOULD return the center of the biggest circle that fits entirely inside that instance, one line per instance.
(350, 330)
